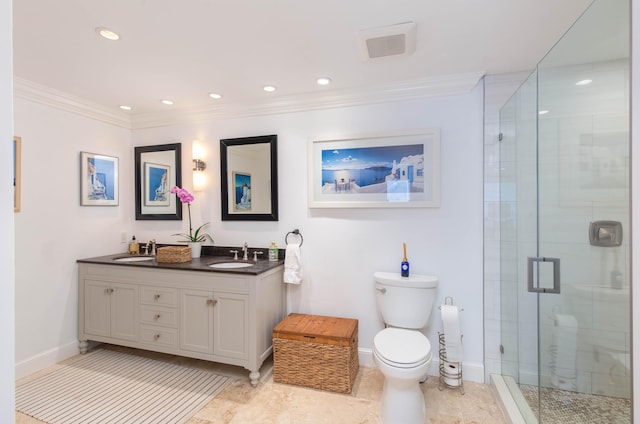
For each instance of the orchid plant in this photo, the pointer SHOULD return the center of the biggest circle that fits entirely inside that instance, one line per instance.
(188, 198)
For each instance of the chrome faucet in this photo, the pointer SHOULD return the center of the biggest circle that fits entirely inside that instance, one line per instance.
(150, 248)
(245, 249)
(255, 255)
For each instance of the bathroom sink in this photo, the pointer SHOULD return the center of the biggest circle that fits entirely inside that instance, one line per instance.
(134, 258)
(230, 265)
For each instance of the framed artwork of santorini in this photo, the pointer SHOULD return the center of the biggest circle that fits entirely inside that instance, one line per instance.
(398, 170)
(98, 180)
(157, 169)
(17, 159)
(242, 191)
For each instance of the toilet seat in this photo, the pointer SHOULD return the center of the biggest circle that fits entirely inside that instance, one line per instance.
(402, 348)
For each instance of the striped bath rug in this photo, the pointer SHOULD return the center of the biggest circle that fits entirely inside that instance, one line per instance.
(113, 387)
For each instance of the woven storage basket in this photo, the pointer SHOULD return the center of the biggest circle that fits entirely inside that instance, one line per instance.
(174, 254)
(316, 351)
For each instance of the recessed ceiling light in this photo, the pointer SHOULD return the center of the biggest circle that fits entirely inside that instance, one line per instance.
(584, 82)
(215, 96)
(125, 107)
(323, 81)
(269, 88)
(166, 102)
(107, 33)
(543, 112)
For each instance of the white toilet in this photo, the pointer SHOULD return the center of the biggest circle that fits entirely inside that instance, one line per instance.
(401, 351)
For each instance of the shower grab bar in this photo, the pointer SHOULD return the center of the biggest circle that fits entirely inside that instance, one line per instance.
(556, 275)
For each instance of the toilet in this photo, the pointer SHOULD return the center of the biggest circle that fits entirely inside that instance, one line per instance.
(400, 351)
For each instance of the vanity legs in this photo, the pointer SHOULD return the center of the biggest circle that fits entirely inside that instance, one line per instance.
(254, 376)
(83, 345)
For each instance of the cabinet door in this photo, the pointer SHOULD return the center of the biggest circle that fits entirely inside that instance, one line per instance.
(231, 320)
(196, 321)
(96, 307)
(124, 307)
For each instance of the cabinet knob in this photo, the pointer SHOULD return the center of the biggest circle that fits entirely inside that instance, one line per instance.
(156, 317)
(211, 301)
(156, 297)
(156, 337)
(109, 290)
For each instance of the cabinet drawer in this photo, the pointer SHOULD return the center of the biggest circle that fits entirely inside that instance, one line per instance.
(159, 296)
(159, 336)
(157, 315)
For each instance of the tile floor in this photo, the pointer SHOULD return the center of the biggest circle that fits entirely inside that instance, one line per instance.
(563, 407)
(274, 403)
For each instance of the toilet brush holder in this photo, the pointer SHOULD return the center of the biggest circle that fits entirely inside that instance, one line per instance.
(450, 372)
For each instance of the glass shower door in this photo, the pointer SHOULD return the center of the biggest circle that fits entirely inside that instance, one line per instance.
(565, 297)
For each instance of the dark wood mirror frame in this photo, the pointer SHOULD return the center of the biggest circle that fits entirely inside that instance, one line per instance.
(232, 173)
(154, 159)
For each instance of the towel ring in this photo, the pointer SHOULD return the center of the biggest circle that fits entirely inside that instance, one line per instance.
(297, 233)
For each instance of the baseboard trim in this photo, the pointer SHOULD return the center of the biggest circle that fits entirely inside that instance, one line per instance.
(45, 359)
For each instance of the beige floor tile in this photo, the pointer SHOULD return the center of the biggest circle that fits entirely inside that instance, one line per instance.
(275, 403)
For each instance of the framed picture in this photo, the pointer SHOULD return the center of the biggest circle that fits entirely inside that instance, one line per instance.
(98, 180)
(17, 159)
(249, 178)
(156, 184)
(241, 192)
(157, 169)
(378, 171)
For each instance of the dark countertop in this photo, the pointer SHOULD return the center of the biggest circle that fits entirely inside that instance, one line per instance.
(209, 256)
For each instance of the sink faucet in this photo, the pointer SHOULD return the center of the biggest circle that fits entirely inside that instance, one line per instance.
(150, 248)
(245, 249)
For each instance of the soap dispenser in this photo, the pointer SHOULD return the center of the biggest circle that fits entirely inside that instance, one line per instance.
(134, 247)
(273, 251)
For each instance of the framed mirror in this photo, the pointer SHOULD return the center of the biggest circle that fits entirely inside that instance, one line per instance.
(157, 170)
(249, 178)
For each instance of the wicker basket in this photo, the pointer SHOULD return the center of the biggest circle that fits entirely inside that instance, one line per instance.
(316, 351)
(174, 254)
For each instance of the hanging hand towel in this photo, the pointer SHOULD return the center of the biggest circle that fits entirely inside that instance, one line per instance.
(292, 264)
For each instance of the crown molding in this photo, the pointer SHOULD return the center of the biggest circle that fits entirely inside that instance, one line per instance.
(406, 90)
(34, 92)
(399, 91)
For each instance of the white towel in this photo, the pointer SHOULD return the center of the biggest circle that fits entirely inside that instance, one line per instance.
(292, 264)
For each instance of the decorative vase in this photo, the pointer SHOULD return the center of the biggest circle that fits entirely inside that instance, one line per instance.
(196, 249)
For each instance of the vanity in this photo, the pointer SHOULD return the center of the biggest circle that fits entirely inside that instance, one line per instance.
(187, 309)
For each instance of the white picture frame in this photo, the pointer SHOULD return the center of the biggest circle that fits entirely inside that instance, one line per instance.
(397, 170)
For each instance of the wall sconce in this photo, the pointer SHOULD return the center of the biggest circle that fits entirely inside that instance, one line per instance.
(199, 177)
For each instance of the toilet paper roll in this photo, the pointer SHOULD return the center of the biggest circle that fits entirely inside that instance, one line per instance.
(452, 371)
(451, 328)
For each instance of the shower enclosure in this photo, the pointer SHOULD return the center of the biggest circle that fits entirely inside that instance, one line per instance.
(564, 227)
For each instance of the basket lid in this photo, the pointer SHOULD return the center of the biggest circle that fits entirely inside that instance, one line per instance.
(316, 329)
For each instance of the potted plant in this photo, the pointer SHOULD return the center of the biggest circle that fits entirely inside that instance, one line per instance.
(194, 238)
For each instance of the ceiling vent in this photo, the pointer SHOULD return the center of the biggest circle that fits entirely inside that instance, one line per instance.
(390, 40)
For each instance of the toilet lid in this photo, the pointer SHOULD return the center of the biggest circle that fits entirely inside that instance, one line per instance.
(402, 346)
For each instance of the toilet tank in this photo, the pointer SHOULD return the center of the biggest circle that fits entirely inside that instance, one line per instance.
(405, 302)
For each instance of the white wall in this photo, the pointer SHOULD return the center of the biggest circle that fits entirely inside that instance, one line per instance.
(343, 247)
(53, 230)
(7, 252)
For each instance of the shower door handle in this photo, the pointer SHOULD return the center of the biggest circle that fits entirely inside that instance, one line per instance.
(555, 262)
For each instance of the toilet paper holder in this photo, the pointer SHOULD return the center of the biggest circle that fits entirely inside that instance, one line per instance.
(450, 372)
(449, 301)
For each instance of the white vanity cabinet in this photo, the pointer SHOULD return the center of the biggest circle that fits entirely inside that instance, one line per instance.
(216, 316)
(222, 318)
(111, 309)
